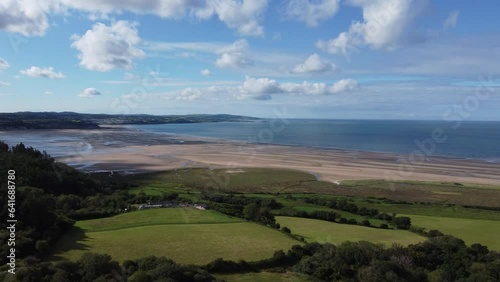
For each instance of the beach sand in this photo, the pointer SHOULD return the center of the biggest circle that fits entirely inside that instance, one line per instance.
(120, 149)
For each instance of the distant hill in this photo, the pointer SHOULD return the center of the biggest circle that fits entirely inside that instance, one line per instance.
(70, 120)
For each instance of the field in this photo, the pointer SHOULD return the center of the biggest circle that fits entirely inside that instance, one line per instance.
(156, 217)
(282, 181)
(197, 241)
(325, 232)
(265, 277)
(433, 205)
(470, 230)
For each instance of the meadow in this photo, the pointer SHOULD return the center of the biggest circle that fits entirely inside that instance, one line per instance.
(471, 231)
(156, 217)
(284, 181)
(206, 236)
(192, 236)
(314, 230)
(266, 277)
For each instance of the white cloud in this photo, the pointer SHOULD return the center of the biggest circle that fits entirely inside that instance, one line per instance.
(48, 93)
(314, 64)
(104, 48)
(206, 72)
(234, 55)
(89, 93)
(262, 88)
(451, 21)
(311, 12)
(3, 64)
(344, 85)
(27, 17)
(42, 72)
(243, 16)
(3, 83)
(383, 27)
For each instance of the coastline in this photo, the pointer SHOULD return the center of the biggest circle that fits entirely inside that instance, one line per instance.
(117, 148)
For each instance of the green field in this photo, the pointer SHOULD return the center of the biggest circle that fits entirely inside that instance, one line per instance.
(265, 277)
(326, 232)
(156, 217)
(199, 241)
(485, 232)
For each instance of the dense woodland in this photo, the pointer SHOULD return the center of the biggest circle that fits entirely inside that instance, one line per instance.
(70, 120)
(51, 196)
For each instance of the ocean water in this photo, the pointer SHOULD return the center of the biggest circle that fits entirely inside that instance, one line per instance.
(469, 139)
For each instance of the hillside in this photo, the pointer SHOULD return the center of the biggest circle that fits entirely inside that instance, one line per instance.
(70, 120)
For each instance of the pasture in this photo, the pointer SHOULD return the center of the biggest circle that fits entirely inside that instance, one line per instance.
(284, 181)
(265, 277)
(471, 231)
(326, 232)
(197, 241)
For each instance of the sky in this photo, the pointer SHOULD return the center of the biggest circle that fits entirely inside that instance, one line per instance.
(338, 59)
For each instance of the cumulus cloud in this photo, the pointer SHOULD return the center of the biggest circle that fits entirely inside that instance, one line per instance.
(314, 64)
(263, 88)
(234, 55)
(383, 26)
(89, 93)
(451, 21)
(3, 64)
(206, 72)
(311, 12)
(242, 16)
(42, 72)
(259, 88)
(104, 48)
(27, 17)
(3, 83)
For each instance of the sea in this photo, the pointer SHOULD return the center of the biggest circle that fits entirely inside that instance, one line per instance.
(479, 140)
(466, 139)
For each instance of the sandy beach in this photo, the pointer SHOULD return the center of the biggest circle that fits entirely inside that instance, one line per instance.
(120, 149)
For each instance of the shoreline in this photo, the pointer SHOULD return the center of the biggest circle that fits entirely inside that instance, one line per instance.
(214, 139)
(122, 149)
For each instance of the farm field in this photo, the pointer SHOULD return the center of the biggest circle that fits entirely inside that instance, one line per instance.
(471, 231)
(186, 242)
(156, 217)
(326, 232)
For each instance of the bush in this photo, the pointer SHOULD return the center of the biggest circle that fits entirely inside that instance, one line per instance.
(286, 230)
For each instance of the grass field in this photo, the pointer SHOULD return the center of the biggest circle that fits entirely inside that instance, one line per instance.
(156, 217)
(199, 241)
(265, 277)
(485, 232)
(326, 232)
(267, 180)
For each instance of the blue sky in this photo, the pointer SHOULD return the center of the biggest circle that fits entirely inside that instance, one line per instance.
(355, 59)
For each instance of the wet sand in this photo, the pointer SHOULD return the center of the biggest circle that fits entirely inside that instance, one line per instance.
(120, 149)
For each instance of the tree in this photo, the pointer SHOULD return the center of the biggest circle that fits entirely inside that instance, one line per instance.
(94, 266)
(286, 230)
(250, 212)
(366, 223)
(402, 222)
